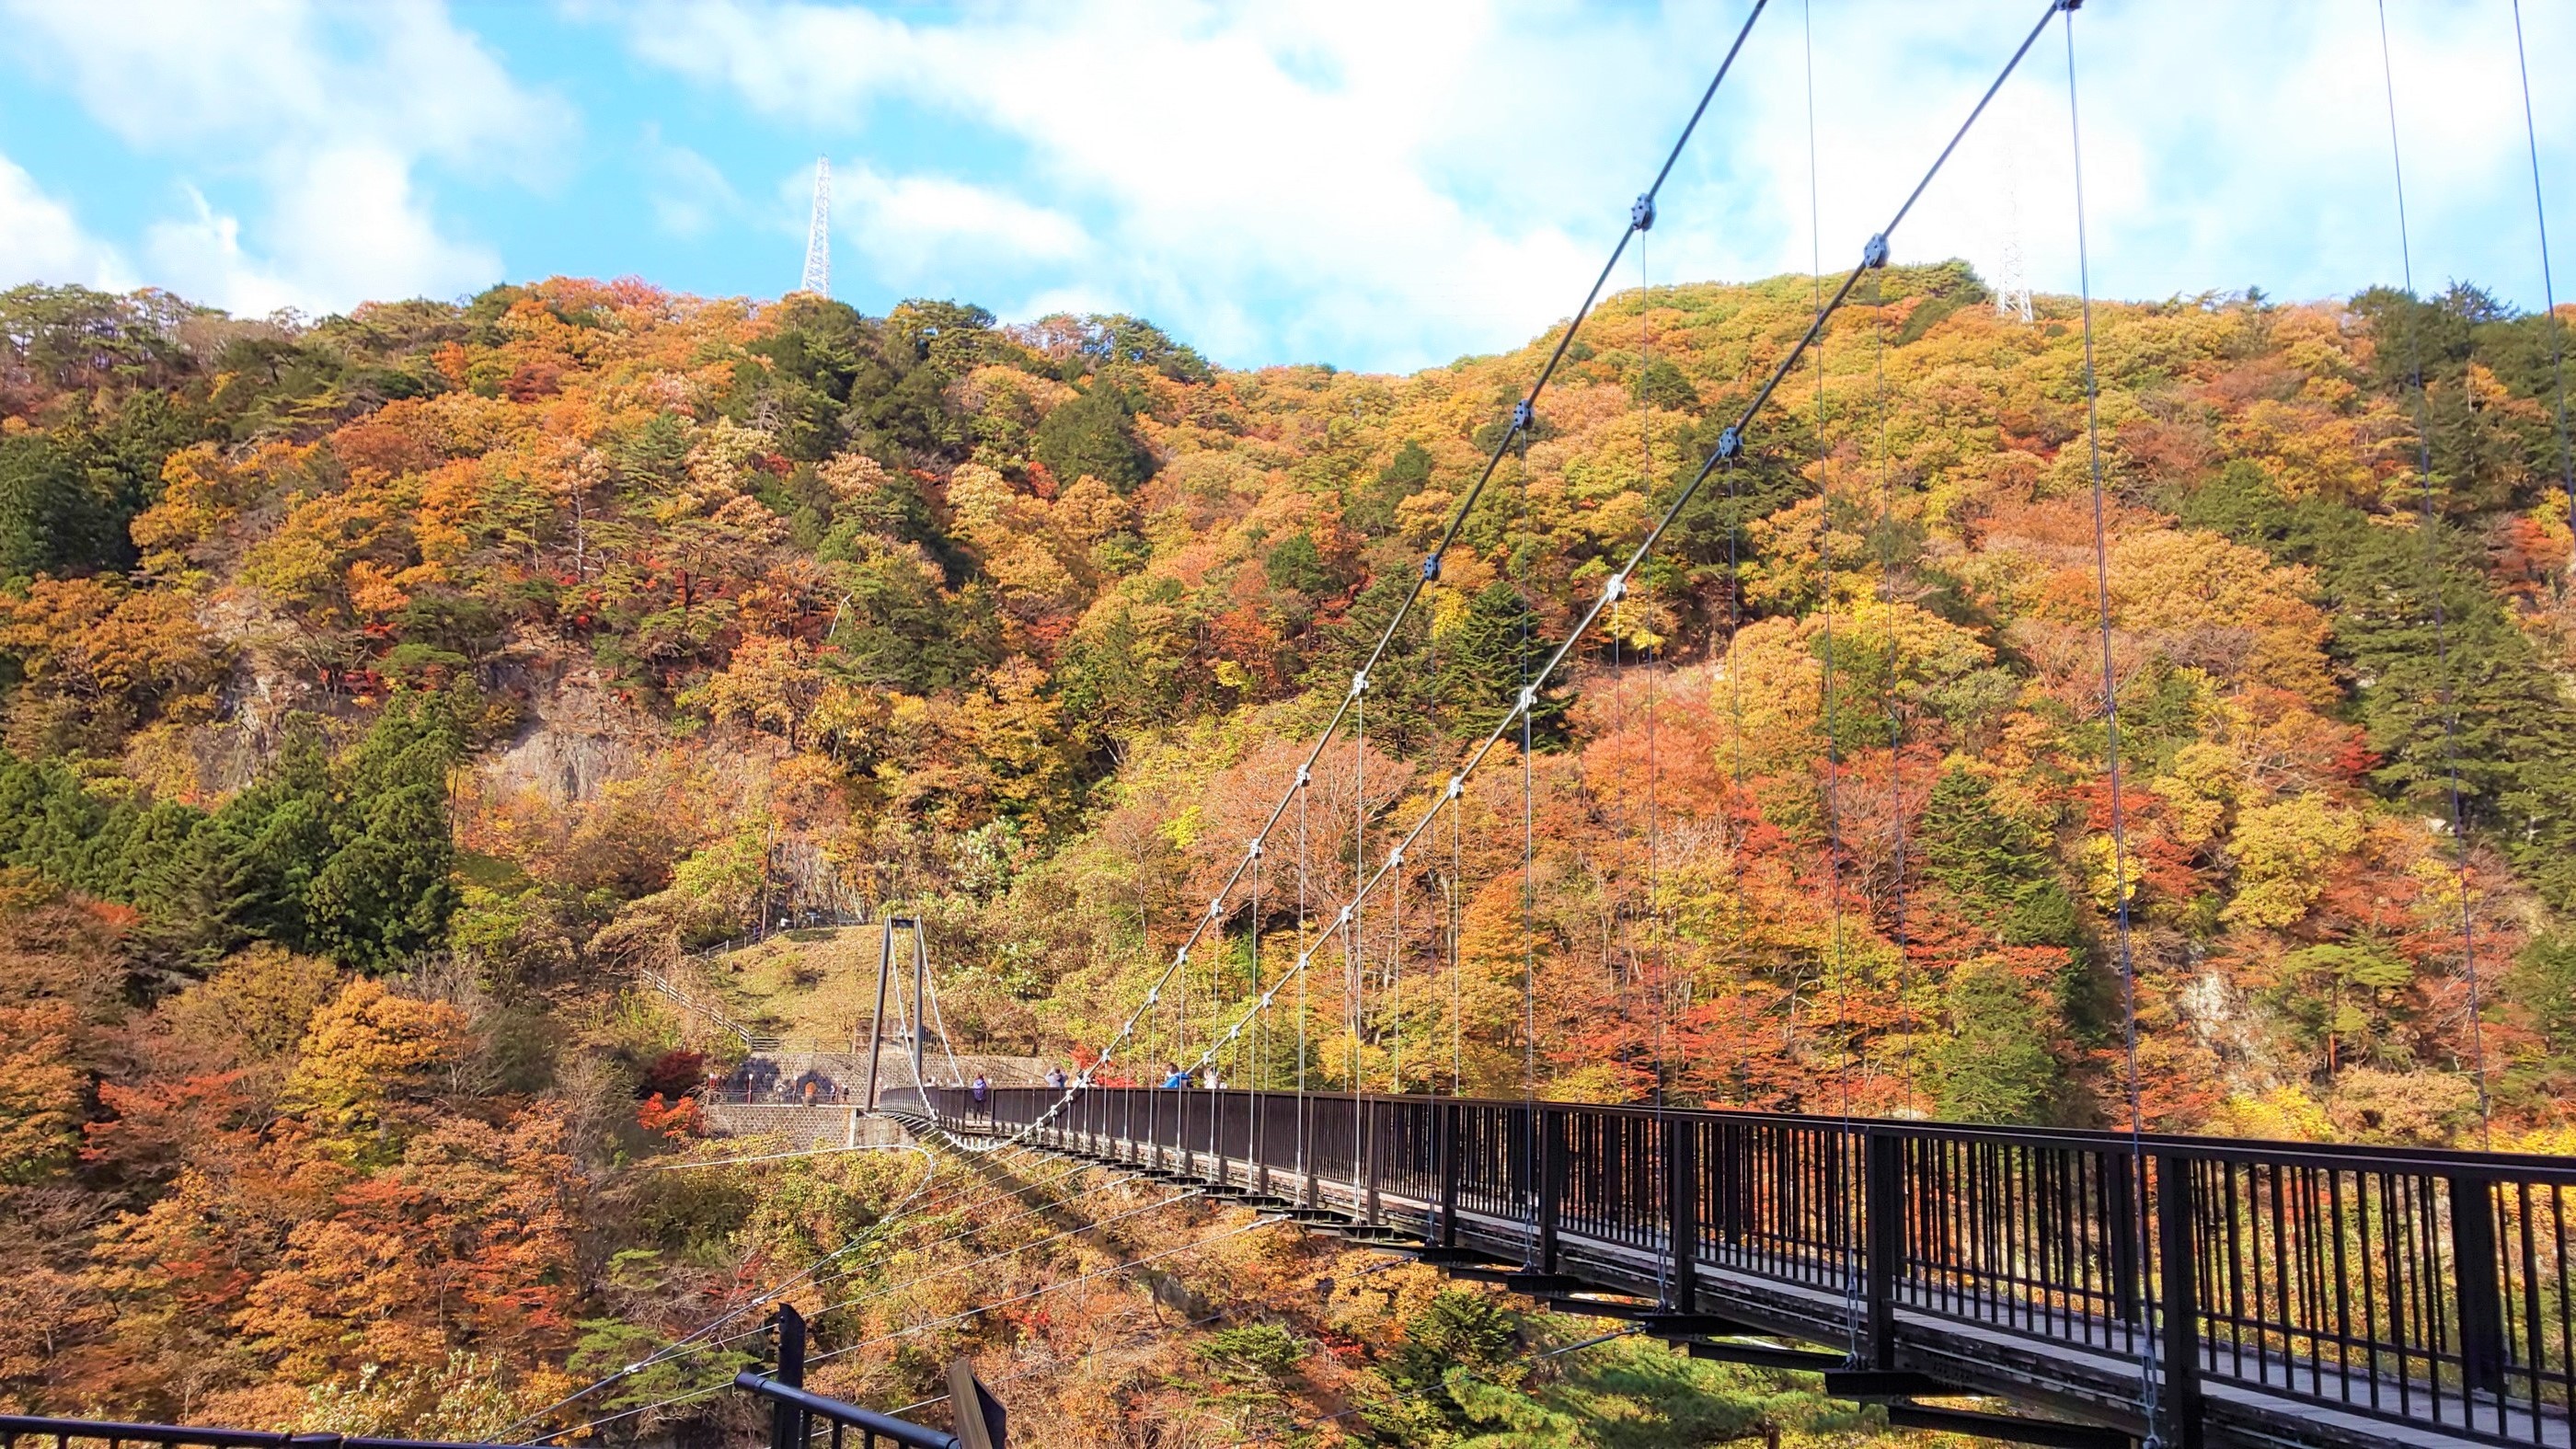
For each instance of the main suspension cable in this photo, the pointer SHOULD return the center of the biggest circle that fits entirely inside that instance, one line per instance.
(1729, 447)
(1641, 216)
(2548, 285)
(2149, 1379)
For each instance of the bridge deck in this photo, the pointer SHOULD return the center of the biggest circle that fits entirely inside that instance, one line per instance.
(2283, 1294)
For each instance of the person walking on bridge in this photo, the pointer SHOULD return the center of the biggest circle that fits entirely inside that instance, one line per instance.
(983, 1091)
(1174, 1079)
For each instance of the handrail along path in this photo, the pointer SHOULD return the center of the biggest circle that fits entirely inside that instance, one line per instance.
(2289, 1293)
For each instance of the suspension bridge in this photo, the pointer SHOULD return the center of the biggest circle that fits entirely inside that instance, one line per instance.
(2106, 1286)
(2092, 1287)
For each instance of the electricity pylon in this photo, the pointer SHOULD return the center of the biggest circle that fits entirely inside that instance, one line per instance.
(818, 232)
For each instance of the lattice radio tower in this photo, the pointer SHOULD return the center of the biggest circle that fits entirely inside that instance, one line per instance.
(818, 232)
(2012, 276)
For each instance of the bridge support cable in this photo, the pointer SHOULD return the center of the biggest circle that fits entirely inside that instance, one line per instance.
(1837, 963)
(1042, 1291)
(1651, 966)
(2180, 1427)
(1090, 1347)
(1890, 698)
(1454, 895)
(1354, 930)
(703, 1345)
(1524, 413)
(1260, 1075)
(986, 1260)
(2548, 284)
(1391, 1010)
(1730, 447)
(1529, 895)
(2429, 520)
(697, 1338)
(1003, 1254)
(1306, 1189)
(947, 1047)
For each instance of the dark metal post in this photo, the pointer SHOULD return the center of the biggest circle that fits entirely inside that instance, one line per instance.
(2119, 1229)
(1451, 1124)
(981, 1421)
(1883, 1216)
(1216, 1135)
(1551, 1181)
(1681, 1221)
(786, 1420)
(2478, 1291)
(1368, 1129)
(1723, 1170)
(2178, 1303)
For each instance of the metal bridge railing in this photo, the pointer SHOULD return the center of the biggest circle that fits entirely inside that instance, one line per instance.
(2420, 1288)
(798, 1419)
(66, 1433)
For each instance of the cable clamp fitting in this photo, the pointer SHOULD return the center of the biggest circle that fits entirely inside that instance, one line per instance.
(1641, 215)
(1456, 784)
(1359, 684)
(1346, 917)
(1153, 994)
(1305, 777)
(1529, 697)
(1524, 416)
(1615, 590)
(1181, 957)
(1874, 255)
(1729, 444)
(1394, 859)
(1215, 907)
(1431, 568)
(1252, 850)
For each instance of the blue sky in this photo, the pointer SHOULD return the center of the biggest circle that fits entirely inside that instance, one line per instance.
(1370, 184)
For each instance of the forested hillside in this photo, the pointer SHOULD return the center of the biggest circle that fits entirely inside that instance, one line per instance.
(378, 694)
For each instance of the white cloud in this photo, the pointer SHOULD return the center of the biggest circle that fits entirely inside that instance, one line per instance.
(331, 112)
(913, 228)
(201, 258)
(1392, 184)
(1182, 159)
(689, 196)
(41, 241)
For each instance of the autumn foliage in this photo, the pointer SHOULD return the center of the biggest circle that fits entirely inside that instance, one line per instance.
(378, 695)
